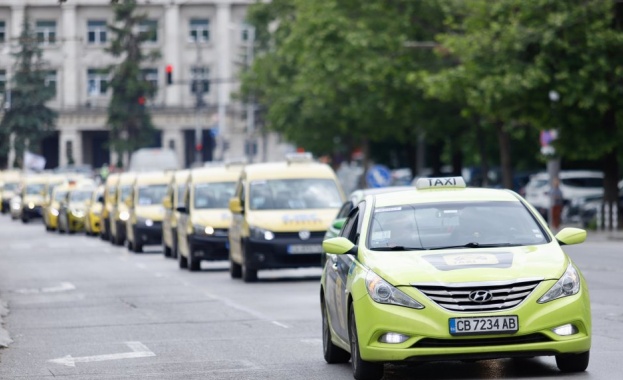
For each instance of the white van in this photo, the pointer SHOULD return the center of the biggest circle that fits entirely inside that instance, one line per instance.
(153, 159)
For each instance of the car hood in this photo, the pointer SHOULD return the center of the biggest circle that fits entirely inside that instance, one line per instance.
(154, 212)
(217, 218)
(546, 261)
(292, 220)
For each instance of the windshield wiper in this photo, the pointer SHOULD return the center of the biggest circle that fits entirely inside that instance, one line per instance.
(474, 244)
(397, 248)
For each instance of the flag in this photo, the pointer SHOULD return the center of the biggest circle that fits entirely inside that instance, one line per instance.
(33, 161)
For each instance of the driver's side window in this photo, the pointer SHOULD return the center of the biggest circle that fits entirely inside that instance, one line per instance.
(349, 230)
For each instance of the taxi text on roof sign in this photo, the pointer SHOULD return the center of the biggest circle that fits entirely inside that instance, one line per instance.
(443, 182)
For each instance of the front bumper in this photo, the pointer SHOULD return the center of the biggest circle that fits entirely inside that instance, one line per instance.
(430, 339)
(210, 248)
(95, 223)
(76, 224)
(149, 235)
(274, 254)
(35, 212)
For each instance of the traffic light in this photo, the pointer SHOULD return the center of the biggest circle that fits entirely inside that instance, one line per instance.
(169, 70)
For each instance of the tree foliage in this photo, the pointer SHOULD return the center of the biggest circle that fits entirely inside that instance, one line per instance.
(129, 119)
(27, 118)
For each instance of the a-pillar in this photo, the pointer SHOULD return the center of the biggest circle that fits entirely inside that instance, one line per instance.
(70, 142)
(174, 140)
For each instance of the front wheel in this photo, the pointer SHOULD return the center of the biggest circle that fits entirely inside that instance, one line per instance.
(137, 246)
(182, 262)
(194, 264)
(235, 269)
(362, 370)
(573, 362)
(332, 353)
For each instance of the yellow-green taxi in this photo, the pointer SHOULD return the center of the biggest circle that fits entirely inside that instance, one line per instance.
(144, 225)
(119, 214)
(73, 209)
(10, 187)
(94, 206)
(204, 217)
(171, 201)
(446, 272)
(280, 213)
(32, 195)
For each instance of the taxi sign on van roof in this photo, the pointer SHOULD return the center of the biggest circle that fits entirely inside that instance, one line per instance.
(299, 157)
(440, 183)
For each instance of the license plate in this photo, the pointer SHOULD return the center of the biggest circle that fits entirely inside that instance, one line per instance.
(305, 248)
(484, 325)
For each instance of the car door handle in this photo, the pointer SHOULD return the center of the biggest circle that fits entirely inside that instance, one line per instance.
(334, 266)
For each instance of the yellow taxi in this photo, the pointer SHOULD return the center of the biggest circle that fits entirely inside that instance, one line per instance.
(32, 195)
(10, 187)
(144, 225)
(53, 181)
(94, 206)
(445, 272)
(172, 200)
(119, 215)
(280, 213)
(73, 208)
(110, 190)
(204, 215)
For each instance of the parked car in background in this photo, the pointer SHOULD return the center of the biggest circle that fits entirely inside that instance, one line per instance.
(574, 184)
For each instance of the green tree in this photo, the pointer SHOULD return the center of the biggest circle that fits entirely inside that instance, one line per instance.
(27, 118)
(129, 119)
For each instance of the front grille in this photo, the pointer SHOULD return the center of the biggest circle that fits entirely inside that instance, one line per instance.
(456, 298)
(483, 342)
(295, 235)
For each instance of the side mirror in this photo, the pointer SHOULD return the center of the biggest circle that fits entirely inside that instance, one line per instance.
(339, 246)
(235, 206)
(338, 223)
(570, 236)
(182, 210)
(166, 202)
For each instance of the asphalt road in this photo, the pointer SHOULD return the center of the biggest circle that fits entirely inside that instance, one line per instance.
(80, 308)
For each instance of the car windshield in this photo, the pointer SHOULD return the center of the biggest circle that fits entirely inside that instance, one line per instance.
(60, 195)
(124, 192)
(34, 189)
(453, 225)
(80, 195)
(151, 195)
(583, 182)
(297, 194)
(213, 195)
(10, 186)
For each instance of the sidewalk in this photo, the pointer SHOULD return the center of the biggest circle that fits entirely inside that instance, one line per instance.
(4, 335)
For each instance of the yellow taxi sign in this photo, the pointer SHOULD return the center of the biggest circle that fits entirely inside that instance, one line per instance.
(441, 183)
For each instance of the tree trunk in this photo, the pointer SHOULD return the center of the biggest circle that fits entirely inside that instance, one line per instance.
(457, 157)
(484, 158)
(611, 174)
(504, 142)
(435, 158)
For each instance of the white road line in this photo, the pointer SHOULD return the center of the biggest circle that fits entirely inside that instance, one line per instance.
(280, 324)
(63, 287)
(313, 341)
(139, 350)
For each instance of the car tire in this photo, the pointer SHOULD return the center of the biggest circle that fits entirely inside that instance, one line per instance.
(573, 362)
(362, 370)
(248, 274)
(235, 269)
(332, 353)
(174, 249)
(137, 247)
(194, 264)
(166, 251)
(182, 262)
(25, 219)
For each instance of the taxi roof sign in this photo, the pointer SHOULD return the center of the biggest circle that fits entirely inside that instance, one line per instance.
(440, 183)
(299, 157)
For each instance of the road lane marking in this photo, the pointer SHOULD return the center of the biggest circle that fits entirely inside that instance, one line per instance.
(280, 324)
(63, 287)
(313, 341)
(257, 314)
(139, 350)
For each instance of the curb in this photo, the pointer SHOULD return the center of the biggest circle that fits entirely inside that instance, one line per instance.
(5, 340)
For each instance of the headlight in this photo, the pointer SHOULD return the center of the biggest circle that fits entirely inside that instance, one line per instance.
(145, 221)
(77, 213)
(54, 212)
(567, 285)
(203, 230)
(31, 205)
(124, 215)
(382, 292)
(260, 233)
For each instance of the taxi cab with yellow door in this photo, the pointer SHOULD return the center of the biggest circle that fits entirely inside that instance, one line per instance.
(204, 218)
(120, 213)
(281, 212)
(110, 191)
(172, 200)
(73, 208)
(144, 226)
(94, 206)
(53, 181)
(32, 194)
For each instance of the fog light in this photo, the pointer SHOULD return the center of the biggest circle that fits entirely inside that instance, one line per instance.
(393, 338)
(149, 222)
(565, 330)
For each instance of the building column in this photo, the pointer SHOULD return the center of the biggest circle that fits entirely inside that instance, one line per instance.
(70, 62)
(224, 62)
(172, 54)
(174, 139)
(17, 20)
(70, 146)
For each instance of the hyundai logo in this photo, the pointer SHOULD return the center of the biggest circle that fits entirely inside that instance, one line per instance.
(304, 235)
(480, 296)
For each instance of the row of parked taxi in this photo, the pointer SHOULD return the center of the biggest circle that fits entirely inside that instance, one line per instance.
(257, 216)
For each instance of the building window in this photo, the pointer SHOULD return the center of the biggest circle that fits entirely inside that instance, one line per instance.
(2, 31)
(97, 80)
(2, 81)
(151, 76)
(50, 80)
(150, 29)
(200, 80)
(199, 30)
(96, 31)
(46, 31)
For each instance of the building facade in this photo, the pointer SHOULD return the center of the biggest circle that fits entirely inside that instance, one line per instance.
(204, 45)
